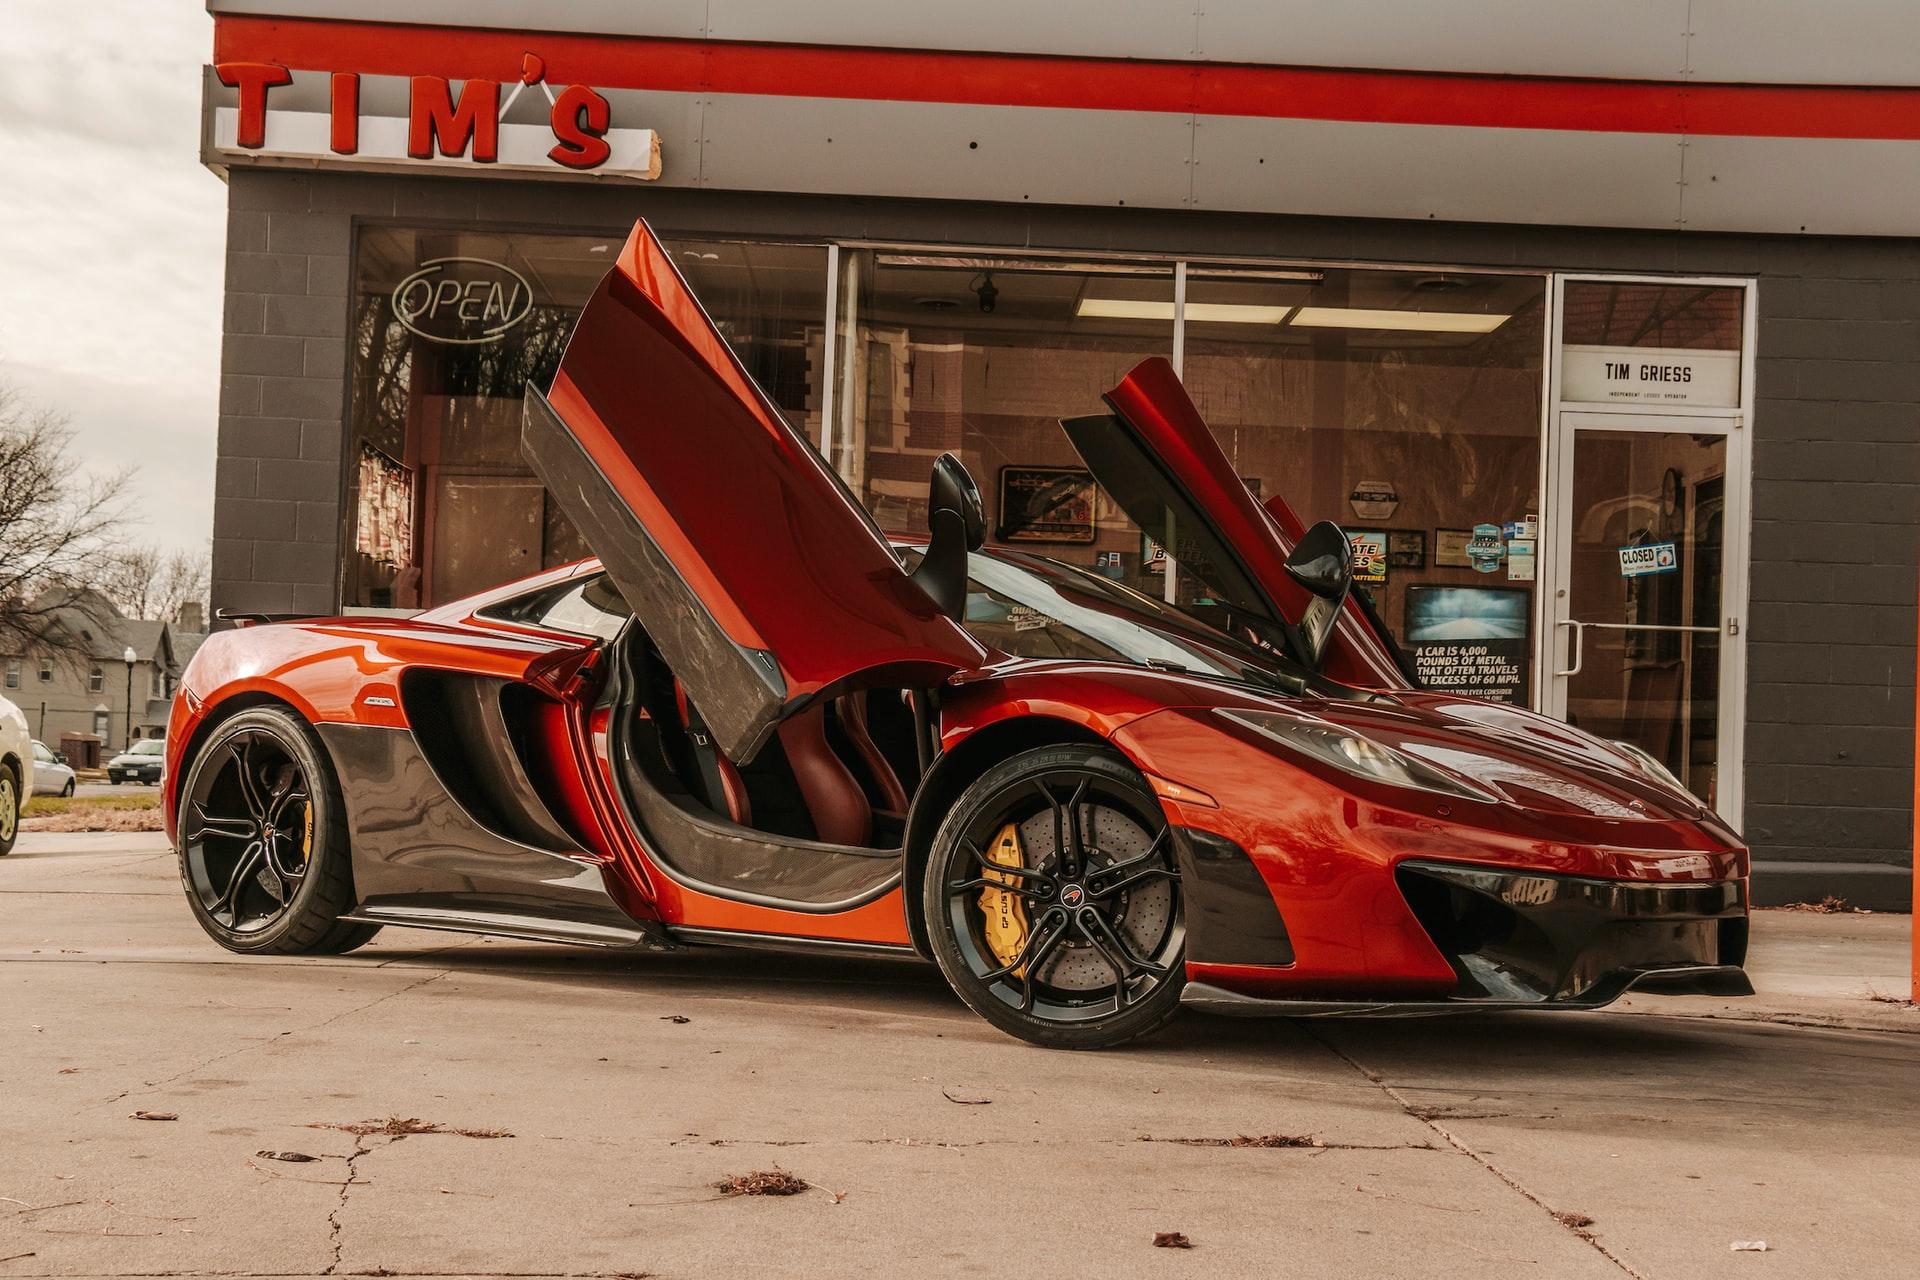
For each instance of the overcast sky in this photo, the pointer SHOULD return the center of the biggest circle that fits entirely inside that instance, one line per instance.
(111, 240)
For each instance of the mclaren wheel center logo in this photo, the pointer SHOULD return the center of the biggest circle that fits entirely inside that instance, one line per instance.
(462, 300)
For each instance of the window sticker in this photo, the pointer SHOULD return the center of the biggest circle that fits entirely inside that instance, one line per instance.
(1520, 559)
(1486, 548)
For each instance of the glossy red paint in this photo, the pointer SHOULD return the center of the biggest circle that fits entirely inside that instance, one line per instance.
(1083, 83)
(1327, 843)
(1153, 401)
(751, 518)
(339, 670)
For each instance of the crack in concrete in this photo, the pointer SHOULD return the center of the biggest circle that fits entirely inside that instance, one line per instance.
(336, 1229)
(1574, 1224)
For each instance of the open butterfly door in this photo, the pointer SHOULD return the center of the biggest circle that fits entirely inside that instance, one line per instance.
(758, 575)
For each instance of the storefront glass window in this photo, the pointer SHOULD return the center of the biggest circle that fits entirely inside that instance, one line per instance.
(982, 357)
(449, 327)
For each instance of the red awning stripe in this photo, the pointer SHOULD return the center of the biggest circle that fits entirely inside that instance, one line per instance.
(1099, 84)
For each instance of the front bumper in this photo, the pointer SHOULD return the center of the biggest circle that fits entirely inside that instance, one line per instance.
(134, 775)
(1528, 940)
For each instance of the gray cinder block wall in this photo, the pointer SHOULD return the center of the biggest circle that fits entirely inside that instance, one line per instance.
(1831, 639)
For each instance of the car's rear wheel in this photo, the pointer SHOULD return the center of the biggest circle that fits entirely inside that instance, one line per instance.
(1053, 900)
(9, 809)
(263, 839)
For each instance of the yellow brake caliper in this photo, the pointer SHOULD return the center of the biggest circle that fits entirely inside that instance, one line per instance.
(1006, 925)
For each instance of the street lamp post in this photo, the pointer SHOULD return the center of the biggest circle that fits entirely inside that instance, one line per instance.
(129, 657)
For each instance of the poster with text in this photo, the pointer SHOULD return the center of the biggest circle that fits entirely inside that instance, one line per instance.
(1471, 640)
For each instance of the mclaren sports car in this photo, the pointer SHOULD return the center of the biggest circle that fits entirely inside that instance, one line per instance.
(758, 720)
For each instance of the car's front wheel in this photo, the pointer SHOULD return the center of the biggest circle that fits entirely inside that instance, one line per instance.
(1053, 901)
(66, 792)
(263, 839)
(10, 800)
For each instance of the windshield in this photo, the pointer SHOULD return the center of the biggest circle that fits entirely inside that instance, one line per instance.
(147, 747)
(1029, 606)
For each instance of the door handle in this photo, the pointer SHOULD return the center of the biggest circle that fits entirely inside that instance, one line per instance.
(1579, 646)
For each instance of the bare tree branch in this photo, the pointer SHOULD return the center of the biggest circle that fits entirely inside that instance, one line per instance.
(144, 581)
(55, 523)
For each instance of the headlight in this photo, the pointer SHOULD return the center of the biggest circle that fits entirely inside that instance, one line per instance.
(1651, 765)
(1353, 753)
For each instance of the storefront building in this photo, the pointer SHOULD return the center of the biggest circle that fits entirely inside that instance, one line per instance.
(1603, 343)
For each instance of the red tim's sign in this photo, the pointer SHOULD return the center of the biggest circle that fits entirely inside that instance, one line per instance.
(463, 125)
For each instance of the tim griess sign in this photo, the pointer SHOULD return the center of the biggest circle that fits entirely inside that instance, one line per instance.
(1471, 640)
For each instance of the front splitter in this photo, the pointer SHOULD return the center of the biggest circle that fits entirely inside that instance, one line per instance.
(1687, 980)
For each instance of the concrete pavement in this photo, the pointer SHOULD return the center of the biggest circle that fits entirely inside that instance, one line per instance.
(1477, 1146)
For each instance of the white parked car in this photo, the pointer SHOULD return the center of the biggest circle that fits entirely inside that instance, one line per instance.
(52, 776)
(16, 772)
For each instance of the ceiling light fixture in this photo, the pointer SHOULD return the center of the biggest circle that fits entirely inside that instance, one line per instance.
(1197, 312)
(1403, 321)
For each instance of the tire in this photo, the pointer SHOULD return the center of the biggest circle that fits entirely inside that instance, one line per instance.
(11, 800)
(219, 841)
(1116, 969)
(66, 792)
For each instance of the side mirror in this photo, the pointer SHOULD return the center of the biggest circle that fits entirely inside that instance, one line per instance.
(1322, 562)
(956, 524)
(953, 492)
(59, 757)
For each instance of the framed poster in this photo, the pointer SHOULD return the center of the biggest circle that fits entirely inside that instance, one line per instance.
(1450, 548)
(1369, 555)
(1406, 548)
(1471, 640)
(1046, 504)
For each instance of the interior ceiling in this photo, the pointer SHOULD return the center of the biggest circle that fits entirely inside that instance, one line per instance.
(788, 283)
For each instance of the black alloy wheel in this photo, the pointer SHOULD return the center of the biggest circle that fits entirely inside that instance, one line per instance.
(263, 842)
(1053, 900)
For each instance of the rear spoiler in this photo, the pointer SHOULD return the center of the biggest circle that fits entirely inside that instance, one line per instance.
(241, 618)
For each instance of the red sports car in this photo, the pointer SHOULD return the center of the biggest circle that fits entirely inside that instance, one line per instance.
(758, 721)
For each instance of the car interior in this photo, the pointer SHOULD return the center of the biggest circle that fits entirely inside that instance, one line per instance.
(817, 818)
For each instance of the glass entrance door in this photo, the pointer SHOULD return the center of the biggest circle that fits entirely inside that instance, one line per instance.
(1641, 625)
(1644, 536)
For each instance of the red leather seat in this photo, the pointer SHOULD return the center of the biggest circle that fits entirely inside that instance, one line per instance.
(834, 799)
(852, 713)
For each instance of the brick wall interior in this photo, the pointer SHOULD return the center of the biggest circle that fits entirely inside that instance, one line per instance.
(1836, 494)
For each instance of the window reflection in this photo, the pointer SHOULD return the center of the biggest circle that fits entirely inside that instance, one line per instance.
(982, 357)
(1404, 404)
(449, 328)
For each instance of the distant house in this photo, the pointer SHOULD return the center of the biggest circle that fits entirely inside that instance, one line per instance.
(90, 688)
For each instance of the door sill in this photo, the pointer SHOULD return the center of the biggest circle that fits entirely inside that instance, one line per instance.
(529, 928)
(783, 942)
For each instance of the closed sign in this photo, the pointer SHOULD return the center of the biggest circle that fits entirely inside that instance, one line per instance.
(1648, 557)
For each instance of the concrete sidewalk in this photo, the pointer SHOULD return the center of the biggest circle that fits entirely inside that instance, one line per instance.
(1808, 969)
(1641, 1142)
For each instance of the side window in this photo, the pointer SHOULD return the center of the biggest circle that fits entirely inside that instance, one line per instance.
(96, 679)
(592, 606)
(46, 671)
(41, 754)
(13, 674)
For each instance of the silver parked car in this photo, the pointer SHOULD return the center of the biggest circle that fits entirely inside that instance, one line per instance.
(51, 775)
(141, 762)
